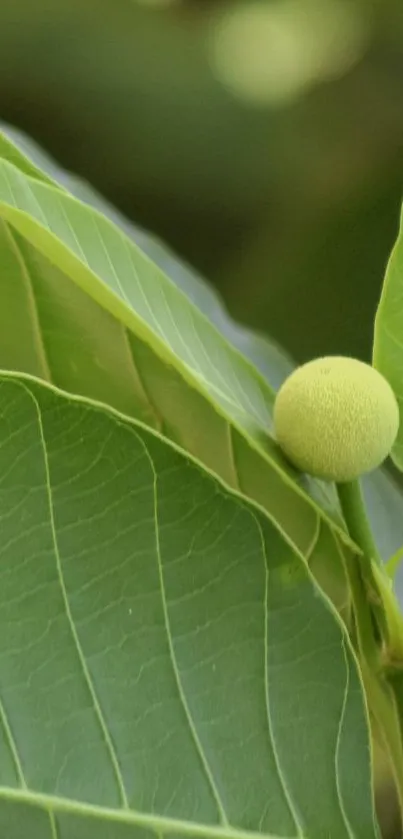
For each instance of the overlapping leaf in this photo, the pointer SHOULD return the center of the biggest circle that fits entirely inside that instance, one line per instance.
(102, 315)
(121, 279)
(388, 338)
(154, 630)
(270, 359)
(382, 495)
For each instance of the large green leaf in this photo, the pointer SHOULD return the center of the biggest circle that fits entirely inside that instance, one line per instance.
(99, 314)
(270, 359)
(388, 337)
(167, 663)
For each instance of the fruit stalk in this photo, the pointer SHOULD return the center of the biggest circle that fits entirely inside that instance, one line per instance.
(355, 516)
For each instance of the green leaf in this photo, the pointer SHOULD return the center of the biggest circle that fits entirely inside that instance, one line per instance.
(384, 501)
(168, 665)
(108, 309)
(270, 359)
(50, 328)
(388, 335)
(19, 153)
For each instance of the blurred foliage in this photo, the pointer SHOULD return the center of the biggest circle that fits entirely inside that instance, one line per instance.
(262, 140)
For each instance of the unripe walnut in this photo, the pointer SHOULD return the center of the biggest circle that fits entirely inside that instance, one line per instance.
(336, 418)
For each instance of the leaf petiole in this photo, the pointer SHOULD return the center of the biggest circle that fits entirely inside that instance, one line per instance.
(355, 516)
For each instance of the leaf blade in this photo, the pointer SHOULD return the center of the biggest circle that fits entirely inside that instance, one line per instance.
(271, 360)
(104, 495)
(388, 345)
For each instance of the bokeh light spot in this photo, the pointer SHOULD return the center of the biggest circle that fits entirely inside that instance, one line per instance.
(271, 52)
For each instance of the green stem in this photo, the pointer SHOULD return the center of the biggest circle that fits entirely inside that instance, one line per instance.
(362, 575)
(369, 581)
(353, 509)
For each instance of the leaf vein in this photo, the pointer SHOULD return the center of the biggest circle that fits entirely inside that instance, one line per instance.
(79, 650)
(13, 746)
(184, 703)
(282, 779)
(338, 741)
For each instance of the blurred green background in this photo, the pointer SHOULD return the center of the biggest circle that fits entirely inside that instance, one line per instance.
(262, 140)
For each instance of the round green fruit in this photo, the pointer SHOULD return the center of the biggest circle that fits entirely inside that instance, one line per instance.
(336, 418)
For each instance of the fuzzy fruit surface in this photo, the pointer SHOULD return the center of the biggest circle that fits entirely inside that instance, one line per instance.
(336, 418)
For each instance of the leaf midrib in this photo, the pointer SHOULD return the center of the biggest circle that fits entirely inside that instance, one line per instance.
(53, 804)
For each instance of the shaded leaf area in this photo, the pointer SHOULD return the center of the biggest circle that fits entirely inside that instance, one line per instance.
(396, 684)
(394, 679)
(164, 652)
(388, 338)
(78, 239)
(50, 328)
(270, 359)
(384, 501)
